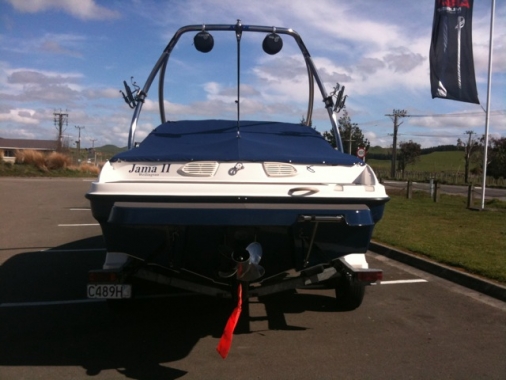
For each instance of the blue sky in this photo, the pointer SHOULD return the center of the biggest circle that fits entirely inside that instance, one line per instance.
(73, 55)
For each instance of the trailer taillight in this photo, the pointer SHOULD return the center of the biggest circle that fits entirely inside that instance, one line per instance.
(98, 277)
(370, 276)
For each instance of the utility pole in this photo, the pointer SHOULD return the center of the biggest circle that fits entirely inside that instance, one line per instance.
(350, 129)
(469, 151)
(60, 119)
(79, 142)
(93, 153)
(470, 133)
(395, 116)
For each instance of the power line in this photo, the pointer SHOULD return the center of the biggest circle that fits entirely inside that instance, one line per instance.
(424, 135)
(463, 114)
(395, 115)
(371, 122)
(79, 140)
(60, 119)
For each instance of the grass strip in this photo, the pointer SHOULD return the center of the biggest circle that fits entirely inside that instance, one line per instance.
(448, 232)
(20, 170)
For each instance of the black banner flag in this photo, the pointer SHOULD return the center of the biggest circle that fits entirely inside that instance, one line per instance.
(451, 52)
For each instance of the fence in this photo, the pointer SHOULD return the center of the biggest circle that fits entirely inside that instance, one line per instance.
(455, 178)
(434, 191)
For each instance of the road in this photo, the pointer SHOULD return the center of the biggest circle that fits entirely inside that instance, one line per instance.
(490, 193)
(412, 326)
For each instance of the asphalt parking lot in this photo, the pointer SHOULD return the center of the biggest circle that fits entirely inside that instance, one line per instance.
(412, 326)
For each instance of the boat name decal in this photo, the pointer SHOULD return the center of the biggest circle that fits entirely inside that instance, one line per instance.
(149, 170)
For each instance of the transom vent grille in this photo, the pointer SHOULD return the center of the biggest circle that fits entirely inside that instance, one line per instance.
(279, 169)
(199, 169)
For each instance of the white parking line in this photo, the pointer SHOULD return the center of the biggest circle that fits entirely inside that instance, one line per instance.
(49, 303)
(403, 281)
(78, 225)
(74, 250)
(80, 209)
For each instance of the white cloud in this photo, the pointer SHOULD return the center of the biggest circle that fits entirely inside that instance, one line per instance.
(82, 9)
(47, 43)
(22, 116)
(62, 44)
(402, 60)
(27, 76)
(98, 93)
(55, 47)
(378, 50)
(47, 87)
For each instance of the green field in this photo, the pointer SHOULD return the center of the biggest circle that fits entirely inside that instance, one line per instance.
(447, 232)
(108, 151)
(433, 162)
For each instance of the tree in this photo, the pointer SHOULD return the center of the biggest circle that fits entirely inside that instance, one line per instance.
(470, 148)
(351, 135)
(409, 153)
(329, 136)
(497, 158)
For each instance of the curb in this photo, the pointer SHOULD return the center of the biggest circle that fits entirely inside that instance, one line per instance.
(465, 279)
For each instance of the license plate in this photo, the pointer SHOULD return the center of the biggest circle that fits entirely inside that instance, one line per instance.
(109, 291)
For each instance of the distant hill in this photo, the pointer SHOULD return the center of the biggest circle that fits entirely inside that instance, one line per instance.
(378, 150)
(109, 150)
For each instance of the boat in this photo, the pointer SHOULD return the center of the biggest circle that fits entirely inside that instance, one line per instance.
(207, 204)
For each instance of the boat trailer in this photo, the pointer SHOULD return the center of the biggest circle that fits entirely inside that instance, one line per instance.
(337, 271)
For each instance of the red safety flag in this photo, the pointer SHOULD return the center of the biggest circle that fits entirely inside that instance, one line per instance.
(226, 339)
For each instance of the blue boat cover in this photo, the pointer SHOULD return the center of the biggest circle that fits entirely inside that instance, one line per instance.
(218, 140)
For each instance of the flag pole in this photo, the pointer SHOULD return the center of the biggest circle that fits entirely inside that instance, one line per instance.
(487, 112)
